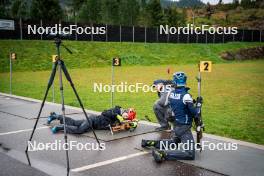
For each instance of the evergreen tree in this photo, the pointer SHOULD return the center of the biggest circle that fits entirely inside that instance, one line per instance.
(46, 9)
(209, 10)
(143, 17)
(20, 8)
(129, 11)
(91, 11)
(4, 8)
(236, 3)
(110, 12)
(173, 17)
(134, 11)
(155, 12)
(183, 17)
(124, 14)
(76, 5)
(247, 3)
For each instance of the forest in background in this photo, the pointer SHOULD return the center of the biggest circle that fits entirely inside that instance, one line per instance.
(244, 13)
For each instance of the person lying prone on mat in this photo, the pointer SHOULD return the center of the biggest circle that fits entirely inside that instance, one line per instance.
(97, 122)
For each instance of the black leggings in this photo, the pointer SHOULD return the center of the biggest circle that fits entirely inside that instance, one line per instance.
(77, 126)
(81, 126)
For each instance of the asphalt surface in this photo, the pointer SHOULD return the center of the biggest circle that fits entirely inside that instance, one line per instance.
(10, 167)
(122, 156)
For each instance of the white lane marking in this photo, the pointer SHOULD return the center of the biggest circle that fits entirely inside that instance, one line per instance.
(20, 131)
(103, 163)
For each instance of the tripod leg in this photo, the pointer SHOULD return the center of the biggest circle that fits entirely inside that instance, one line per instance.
(63, 115)
(53, 73)
(68, 77)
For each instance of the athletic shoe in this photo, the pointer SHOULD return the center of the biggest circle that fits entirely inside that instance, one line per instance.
(57, 128)
(52, 117)
(158, 156)
(148, 143)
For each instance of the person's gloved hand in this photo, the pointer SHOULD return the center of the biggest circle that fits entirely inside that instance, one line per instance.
(171, 119)
(120, 118)
(200, 123)
(199, 100)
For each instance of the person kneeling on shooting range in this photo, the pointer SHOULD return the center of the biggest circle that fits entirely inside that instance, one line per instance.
(97, 122)
(162, 109)
(184, 111)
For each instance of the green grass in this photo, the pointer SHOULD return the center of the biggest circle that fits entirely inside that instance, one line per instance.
(36, 55)
(233, 93)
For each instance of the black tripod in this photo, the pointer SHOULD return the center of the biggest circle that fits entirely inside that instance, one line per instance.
(61, 68)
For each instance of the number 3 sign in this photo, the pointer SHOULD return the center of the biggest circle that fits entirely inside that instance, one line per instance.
(116, 61)
(205, 66)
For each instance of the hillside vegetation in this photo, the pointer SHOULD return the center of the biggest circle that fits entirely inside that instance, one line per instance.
(239, 17)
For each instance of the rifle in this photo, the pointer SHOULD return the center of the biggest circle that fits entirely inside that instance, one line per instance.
(164, 82)
(126, 125)
(198, 122)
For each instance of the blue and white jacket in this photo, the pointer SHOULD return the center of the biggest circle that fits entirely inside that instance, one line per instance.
(182, 106)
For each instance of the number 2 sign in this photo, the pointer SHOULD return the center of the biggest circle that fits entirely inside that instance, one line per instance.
(205, 66)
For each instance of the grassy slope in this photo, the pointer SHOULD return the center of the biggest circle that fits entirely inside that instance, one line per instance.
(36, 55)
(233, 93)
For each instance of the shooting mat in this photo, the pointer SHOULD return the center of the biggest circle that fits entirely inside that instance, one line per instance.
(105, 135)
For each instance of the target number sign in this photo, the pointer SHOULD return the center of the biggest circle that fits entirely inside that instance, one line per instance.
(205, 66)
(13, 56)
(116, 61)
(54, 58)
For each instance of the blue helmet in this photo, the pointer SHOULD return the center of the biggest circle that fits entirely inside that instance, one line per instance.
(179, 78)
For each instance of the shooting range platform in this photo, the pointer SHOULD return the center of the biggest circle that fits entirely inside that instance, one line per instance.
(122, 156)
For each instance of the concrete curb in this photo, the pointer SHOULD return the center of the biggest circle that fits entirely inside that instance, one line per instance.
(211, 136)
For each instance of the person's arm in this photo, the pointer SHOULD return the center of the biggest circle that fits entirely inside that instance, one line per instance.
(113, 112)
(166, 102)
(162, 100)
(187, 100)
(161, 84)
(162, 81)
